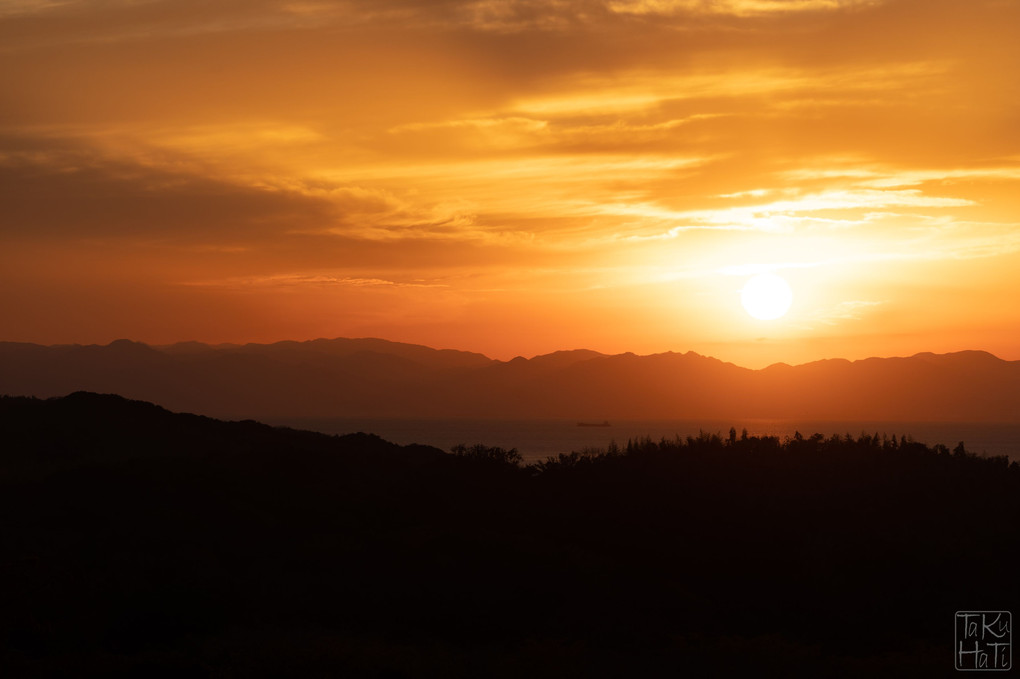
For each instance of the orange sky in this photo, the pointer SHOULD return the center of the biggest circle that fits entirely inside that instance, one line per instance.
(513, 176)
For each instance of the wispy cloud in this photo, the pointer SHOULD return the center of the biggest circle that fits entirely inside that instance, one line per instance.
(17, 8)
(520, 152)
(752, 269)
(301, 280)
(787, 216)
(854, 310)
(732, 7)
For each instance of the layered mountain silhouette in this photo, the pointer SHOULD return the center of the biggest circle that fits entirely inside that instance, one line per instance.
(374, 377)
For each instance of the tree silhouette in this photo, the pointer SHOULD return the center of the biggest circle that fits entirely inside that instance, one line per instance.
(139, 542)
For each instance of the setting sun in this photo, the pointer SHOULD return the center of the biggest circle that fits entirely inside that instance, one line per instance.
(409, 174)
(525, 336)
(766, 297)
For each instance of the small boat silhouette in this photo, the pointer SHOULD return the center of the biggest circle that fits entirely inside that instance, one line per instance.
(603, 423)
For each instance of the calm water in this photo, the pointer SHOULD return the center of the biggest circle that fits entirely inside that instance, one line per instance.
(538, 439)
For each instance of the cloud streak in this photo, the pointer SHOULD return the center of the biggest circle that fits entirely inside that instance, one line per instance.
(514, 155)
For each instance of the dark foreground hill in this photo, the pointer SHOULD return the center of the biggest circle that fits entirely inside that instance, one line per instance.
(376, 378)
(142, 543)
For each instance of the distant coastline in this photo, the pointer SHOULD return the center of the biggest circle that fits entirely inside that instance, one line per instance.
(537, 439)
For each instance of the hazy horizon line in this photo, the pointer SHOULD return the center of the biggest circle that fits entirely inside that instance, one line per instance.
(217, 345)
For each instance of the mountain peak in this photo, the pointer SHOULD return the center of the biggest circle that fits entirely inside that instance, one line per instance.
(129, 347)
(973, 355)
(377, 378)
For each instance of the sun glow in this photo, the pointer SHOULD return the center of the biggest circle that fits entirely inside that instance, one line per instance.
(766, 296)
(447, 170)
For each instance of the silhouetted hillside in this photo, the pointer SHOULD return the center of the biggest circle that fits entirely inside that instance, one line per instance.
(369, 377)
(143, 543)
(322, 377)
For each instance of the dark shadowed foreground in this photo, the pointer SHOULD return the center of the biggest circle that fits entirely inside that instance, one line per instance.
(137, 542)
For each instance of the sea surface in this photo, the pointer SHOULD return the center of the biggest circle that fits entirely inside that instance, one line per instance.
(539, 439)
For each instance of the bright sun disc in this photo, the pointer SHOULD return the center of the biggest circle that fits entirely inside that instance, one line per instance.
(766, 296)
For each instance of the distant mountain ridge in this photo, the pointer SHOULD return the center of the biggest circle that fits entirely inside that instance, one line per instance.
(378, 378)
